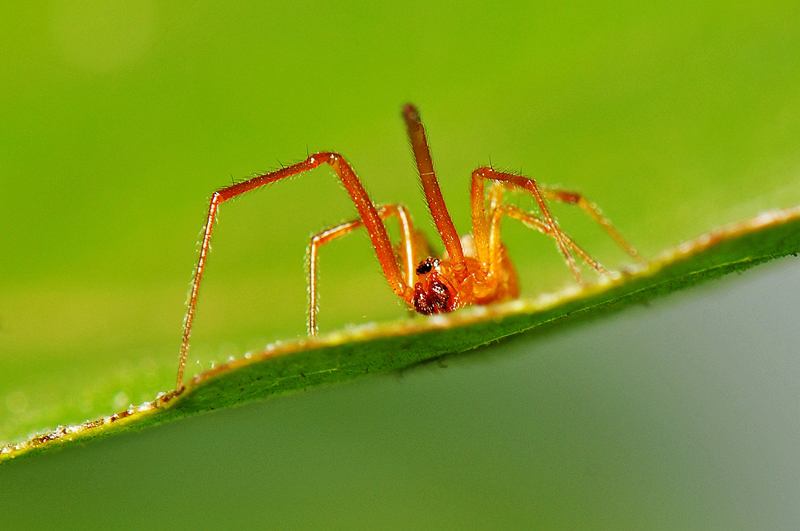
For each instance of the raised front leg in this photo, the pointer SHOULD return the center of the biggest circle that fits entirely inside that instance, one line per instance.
(441, 217)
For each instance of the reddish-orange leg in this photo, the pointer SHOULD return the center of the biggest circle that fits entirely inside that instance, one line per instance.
(475, 269)
(594, 212)
(536, 223)
(571, 198)
(366, 210)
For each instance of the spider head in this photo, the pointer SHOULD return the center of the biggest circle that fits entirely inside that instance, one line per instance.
(431, 294)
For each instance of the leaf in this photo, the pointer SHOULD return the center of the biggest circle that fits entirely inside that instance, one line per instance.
(379, 348)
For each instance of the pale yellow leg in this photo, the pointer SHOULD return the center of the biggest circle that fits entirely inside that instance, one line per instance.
(407, 252)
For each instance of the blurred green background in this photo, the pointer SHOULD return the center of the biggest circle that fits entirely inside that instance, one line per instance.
(119, 118)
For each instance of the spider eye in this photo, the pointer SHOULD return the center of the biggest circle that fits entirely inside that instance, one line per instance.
(426, 266)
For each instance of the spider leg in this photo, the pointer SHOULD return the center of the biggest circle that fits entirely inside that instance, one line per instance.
(537, 223)
(441, 217)
(480, 221)
(575, 198)
(366, 210)
(406, 248)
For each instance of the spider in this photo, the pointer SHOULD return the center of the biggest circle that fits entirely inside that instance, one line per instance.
(475, 269)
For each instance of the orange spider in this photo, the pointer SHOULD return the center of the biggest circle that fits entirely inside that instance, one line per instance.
(475, 269)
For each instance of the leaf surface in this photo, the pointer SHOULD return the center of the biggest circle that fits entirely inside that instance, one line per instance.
(393, 346)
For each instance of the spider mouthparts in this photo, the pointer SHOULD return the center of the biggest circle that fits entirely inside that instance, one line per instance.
(435, 300)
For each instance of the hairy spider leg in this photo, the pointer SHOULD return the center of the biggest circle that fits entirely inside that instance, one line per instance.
(480, 223)
(496, 211)
(594, 212)
(366, 210)
(406, 247)
(433, 194)
(537, 223)
(571, 198)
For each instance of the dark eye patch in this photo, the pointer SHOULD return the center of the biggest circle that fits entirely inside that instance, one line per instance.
(426, 266)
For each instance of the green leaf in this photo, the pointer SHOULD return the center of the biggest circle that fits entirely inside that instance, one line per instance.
(379, 348)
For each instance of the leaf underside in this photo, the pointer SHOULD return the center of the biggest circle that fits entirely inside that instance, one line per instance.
(380, 348)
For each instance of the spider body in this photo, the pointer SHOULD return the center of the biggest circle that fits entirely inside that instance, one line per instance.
(475, 269)
(441, 287)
